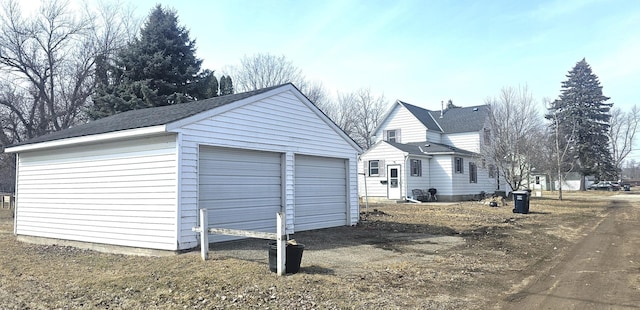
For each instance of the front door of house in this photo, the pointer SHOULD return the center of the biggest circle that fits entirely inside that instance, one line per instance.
(393, 182)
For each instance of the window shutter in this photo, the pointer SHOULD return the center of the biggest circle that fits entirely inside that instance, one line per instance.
(384, 135)
(366, 171)
(398, 139)
(383, 168)
(470, 172)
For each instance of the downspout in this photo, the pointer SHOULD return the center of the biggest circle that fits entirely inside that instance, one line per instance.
(15, 197)
(406, 178)
(366, 191)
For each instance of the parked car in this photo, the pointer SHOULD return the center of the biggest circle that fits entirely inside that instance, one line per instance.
(605, 185)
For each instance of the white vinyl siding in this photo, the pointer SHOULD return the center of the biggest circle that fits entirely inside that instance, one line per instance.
(240, 188)
(386, 154)
(412, 129)
(468, 141)
(423, 181)
(321, 192)
(441, 173)
(434, 136)
(280, 123)
(121, 193)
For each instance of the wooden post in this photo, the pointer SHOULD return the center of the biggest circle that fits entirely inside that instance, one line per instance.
(281, 243)
(204, 234)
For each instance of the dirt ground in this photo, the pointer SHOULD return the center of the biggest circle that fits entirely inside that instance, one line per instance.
(401, 256)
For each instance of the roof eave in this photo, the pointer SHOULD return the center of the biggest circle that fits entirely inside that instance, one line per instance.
(103, 137)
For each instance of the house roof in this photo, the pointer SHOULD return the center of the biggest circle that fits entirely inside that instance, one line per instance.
(423, 115)
(145, 117)
(429, 148)
(453, 120)
(458, 119)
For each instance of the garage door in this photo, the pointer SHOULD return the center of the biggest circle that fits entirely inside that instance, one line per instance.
(321, 192)
(241, 188)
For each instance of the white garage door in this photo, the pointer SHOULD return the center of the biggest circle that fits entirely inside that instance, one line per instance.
(321, 192)
(241, 189)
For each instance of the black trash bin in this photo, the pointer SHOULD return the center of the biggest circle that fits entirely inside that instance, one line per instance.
(293, 257)
(627, 187)
(521, 202)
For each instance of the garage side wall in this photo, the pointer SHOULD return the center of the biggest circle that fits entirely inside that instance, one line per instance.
(118, 193)
(280, 123)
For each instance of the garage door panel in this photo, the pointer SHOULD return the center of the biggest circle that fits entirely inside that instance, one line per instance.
(321, 192)
(318, 201)
(241, 188)
(329, 220)
(321, 209)
(228, 192)
(317, 182)
(243, 203)
(241, 168)
(232, 214)
(238, 180)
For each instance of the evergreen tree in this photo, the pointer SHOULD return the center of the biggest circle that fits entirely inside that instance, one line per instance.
(158, 68)
(226, 85)
(208, 85)
(582, 113)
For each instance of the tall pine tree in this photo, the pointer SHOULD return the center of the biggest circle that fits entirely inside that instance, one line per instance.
(159, 68)
(583, 113)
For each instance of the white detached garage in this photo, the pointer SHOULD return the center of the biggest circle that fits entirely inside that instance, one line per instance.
(138, 178)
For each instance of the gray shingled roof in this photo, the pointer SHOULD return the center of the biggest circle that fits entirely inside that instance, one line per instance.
(144, 117)
(422, 115)
(454, 120)
(429, 148)
(467, 119)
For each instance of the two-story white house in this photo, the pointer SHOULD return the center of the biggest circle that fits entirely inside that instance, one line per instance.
(421, 149)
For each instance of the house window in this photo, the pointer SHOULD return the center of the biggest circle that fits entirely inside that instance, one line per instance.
(416, 168)
(458, 164)
(487, 136)
(374, 168)
(537, 179)
(473, 173)
(392, 135)
(492, 171)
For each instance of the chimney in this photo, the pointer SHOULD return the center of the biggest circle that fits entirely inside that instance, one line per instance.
(441, 108)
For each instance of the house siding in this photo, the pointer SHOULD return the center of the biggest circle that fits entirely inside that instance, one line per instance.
(461, 188)
(417, 182)
(411, 129)
(280, 123)
(434, 136)
(441, 167)
(468, 141)
(391, 156)
(121, 193)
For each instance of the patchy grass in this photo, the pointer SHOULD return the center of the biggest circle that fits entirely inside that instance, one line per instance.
(445, 256)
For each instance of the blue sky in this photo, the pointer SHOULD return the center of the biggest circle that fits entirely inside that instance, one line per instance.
(424, 52)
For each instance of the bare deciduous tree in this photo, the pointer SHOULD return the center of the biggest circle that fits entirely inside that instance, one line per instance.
(622, 133)
(514, 122)
(47, 63)
(48, 60)
(367, 111)
(265, 70)
(563, 142)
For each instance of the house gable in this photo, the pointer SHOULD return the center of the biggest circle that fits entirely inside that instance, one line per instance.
(408, 127)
